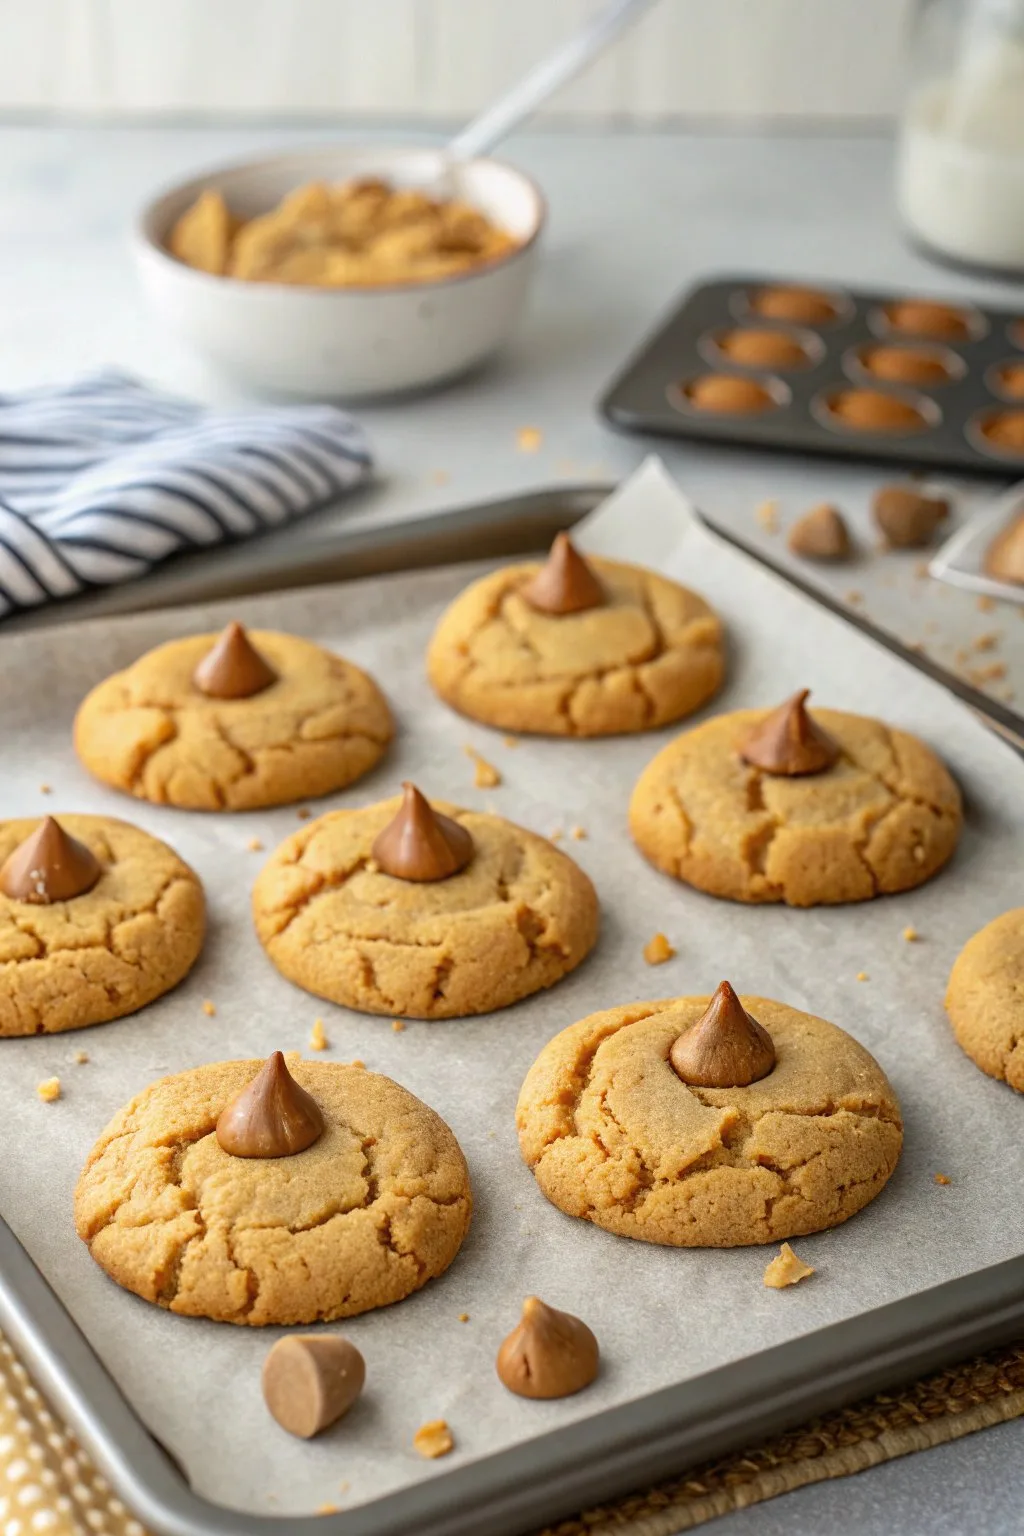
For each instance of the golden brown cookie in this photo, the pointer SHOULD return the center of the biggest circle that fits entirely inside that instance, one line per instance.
(375, 1208)
(152, 732)
(985, 998)
(614, 1136)
(123, 942)
(648, 653)
(884, 817)
(518, 917)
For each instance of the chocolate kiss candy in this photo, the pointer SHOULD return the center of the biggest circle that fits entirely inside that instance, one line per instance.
(49, 866)
(233, 669)
(788, 742)
(271, 1117)
(548, 1354)
(420, 844)
(821, 534)
(565, 583)
(310, 1380)
(726, 1048)
(907, 518)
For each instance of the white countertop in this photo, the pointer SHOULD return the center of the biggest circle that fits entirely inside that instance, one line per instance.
(635, 218)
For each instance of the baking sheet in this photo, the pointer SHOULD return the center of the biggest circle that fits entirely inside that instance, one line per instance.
(661, 1315)
(960, 560)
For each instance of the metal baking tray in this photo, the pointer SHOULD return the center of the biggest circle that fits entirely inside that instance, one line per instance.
(611, 1452)
(649, 394)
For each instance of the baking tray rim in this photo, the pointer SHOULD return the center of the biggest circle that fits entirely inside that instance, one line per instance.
(609, 1453)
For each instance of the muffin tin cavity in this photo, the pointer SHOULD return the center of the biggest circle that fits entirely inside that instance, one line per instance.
(896, 378)
(902, 364)
(1007, 380)
(875, 410)
(730, 394)
(762, 347)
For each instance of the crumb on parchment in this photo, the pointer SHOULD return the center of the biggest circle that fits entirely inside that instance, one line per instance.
(511, 742)
(987, 641)
(463, 1317)
(318, 1036)
(81, 1057)
(49, 1090)
(303, 813)
(529, 439)
(786, 1269)
(209, 1008)
(46, 789)
(943, 1178)
(398, 1025)
(433, 1439)
(578, 834)
(485, 775)
(658, 950)
(854, 597)
(863, 976)
(556, 835)
(911, 934)
(767, 514)
(356, 1062)
(254, 845)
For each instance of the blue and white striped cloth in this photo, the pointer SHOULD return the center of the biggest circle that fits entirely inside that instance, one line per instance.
(102, 479)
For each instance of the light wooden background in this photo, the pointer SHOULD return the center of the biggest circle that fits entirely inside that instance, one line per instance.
(442, 59)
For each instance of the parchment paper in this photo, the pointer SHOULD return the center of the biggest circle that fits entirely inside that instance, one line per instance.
(961, 559)
(661, 1314)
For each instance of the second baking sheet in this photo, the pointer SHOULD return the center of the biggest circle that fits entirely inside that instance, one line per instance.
(662, 1315)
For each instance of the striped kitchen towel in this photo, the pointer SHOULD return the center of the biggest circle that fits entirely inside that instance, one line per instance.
(101, 480)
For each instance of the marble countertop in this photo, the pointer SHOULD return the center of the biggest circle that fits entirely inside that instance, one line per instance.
(635, 218)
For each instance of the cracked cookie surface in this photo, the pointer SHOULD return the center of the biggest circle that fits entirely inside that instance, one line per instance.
(985, 998)
(884, 818)
(149, 732)
(375, 1208)
(126, 941)
(652, 654)
(519, 917)
(615, 1137)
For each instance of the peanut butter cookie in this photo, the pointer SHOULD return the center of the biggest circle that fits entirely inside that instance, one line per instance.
(872, 811)
(983, 999)
(383, 910)
(576, 648)
(615, 1136)
(378, 1205)
(233, 722)
(97, 919)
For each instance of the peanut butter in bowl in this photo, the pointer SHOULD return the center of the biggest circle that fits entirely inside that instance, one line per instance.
(362, 233)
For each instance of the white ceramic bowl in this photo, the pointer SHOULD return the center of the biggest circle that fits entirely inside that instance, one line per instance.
(345, 342)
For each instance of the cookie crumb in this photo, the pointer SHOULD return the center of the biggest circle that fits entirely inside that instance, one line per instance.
(658, 950)
(209, 1008)
(463, 1317)
(303, 813)
(987, 641)
(911, 934)
(433, 1439)
(767, 514)
(398, 1025)
(327, 1509)
(786, 1269)
(511, 742)
(254, 845)
(49, 1089)
(993, 673)
(529, 440)
(985, 604)
(81, 1057)
(343, 1487)
(578, 834)
(556, 836)
(318, 1036)
(943, 1178)
(863, 976)
(357, 1063)
(854, 598)
(46, 789)
(485, 775)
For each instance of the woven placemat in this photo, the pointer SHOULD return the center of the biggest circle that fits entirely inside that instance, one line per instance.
(48, 1483)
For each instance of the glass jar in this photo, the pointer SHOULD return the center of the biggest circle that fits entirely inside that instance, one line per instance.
(960, 158)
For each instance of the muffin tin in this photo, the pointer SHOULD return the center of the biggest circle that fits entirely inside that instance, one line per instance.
(776, 363)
